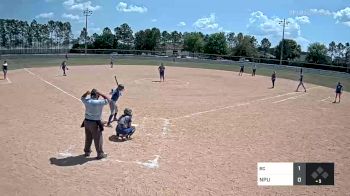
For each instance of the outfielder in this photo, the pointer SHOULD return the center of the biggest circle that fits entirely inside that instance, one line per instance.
(301, 83)
(338, 92)
(64, 67)
(4, 69)
(161, 70)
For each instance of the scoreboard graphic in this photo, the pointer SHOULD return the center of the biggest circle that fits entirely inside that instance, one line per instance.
(291, 174)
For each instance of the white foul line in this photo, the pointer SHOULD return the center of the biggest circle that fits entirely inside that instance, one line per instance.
(239, 104)
(58, 88)
(289, 98)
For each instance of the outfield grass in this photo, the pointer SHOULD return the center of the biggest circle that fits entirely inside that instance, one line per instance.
(18, 62)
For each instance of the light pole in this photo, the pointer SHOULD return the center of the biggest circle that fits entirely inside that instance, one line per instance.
(87, 13)
(283, 23)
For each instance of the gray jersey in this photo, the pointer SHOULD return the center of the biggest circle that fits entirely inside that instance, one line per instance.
(124, 122)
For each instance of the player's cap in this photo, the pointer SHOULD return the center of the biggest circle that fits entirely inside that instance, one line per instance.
(128, 111)
(121, 87)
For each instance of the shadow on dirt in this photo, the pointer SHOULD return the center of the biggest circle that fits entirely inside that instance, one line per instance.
(71, 161)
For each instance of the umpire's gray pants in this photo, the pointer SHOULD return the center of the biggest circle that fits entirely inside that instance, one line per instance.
(93, 132)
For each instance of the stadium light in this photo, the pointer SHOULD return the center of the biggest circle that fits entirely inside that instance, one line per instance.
(283, 23)
(87, 13)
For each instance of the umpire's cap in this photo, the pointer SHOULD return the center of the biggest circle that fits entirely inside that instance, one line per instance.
(93, 93)
(128, 111)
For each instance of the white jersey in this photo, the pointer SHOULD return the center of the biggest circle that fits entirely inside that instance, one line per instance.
(5, 65)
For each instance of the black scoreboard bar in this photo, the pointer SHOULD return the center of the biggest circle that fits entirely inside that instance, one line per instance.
(290, 174)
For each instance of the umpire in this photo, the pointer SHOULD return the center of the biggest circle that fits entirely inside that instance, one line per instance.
(92, 123)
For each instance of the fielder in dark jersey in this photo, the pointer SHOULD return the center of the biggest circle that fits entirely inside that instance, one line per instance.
(301, 83)
(4, 69)
(64, 67)
(254, 69)
(113, 103)
(338, 92)
(161, 69)
(124, 128)
(241, 71)
(112, 59)
(273, 79)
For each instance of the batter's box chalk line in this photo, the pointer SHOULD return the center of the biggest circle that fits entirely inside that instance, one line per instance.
(171, 81)
(325, 99)
(151, 164)
(8, 81)
(165, 125)
(67, 153)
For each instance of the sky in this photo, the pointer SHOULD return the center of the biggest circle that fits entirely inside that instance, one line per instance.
(308, 21)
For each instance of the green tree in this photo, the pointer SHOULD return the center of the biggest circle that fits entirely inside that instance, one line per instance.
(332, 49)
(59, 33)
(175, 38)
(291, 49)
(124, 36)
(51, 26)
(317, 53)
(265, 45)
(82, 36)
(347, 56)
(165, 39)
(194, 42)
(105, 41)
(216, 44)
(139, 40)
(3, 33)
(340, 50)
(230, 37)
(148, 39)
(35, 33)
(67, 33)
(244, 45)
(347, 51)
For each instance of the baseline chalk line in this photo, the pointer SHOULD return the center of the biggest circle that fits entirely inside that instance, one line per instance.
(237, 105)
(289, 98)
(47, 82)
(151, 164)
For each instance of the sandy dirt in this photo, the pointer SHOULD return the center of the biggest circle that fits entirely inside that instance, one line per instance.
(201, 132)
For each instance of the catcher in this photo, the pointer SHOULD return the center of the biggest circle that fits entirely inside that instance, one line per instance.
(124, 128)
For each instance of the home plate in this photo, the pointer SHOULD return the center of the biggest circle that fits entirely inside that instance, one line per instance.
(135, 125)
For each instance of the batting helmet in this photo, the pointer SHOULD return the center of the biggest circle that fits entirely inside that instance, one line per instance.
(121, 87)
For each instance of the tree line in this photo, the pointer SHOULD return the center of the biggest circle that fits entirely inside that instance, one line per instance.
(232, 44)
(20, 34)
(57, 34)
